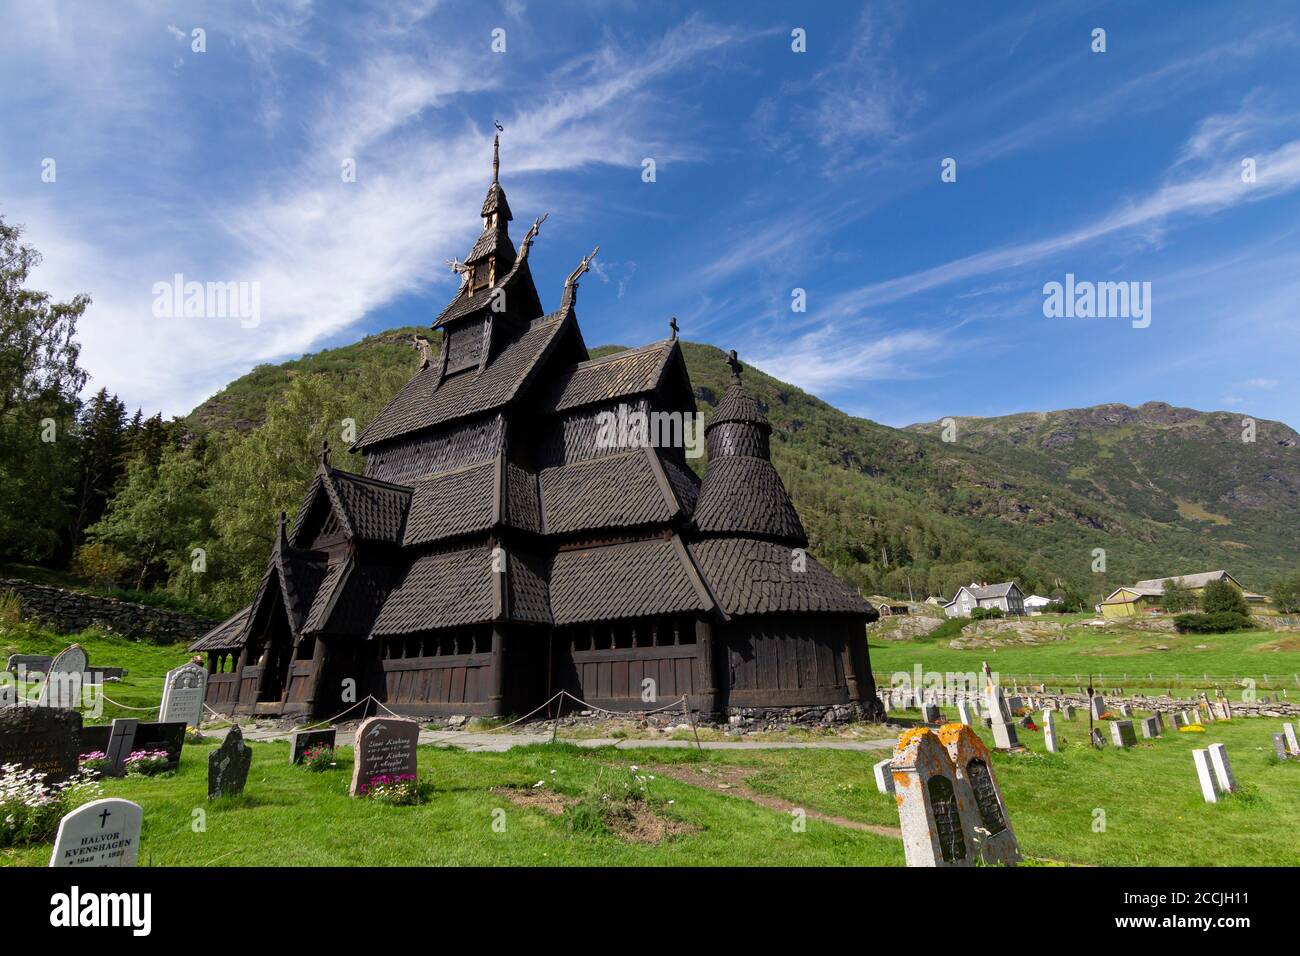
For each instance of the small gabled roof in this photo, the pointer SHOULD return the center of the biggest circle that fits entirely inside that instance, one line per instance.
(228, 635)
(618, 375)
(992, 590)
(366, 508)
(425, 402)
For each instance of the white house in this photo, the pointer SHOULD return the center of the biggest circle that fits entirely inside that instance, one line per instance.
(1006, 597)
(1035, 603)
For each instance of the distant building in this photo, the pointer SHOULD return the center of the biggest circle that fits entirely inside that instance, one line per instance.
(1035, 603)
(1006, 597)
(1145, 597)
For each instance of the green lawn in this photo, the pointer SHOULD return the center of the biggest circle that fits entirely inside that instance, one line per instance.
(1124, 656)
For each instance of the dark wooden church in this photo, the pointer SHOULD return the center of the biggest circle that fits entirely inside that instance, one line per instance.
(501, 547)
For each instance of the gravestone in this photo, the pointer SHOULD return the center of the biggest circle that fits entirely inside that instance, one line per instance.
(1049, 732)
(1205, 776)
(963, 712)
(1180, 720)
(169, 738)
(1151, 728)
(228, 765)
(1097, 739)
(304, 740)
(1279, 747)
(385, 748)
(183, 694)
(100, 833)
(1098, 705)
(95, 738)
(930, 713)
(935, 821)
(1068, 711)
(1014, 704)
(1125, 710)
(29, 663)
(884, 778)
(994, 839)
(66, 677)
(1222, 768)
(1292, 744)
(121, 741)
(1121, 733)
(1160, 723)
(43, 739)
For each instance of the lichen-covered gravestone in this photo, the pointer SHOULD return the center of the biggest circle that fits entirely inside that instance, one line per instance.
(100, 833)
(43, 739)
(183, 693)
(994, 838)
(228, 765)
(384, 752)
(1121, 733)
(63, 683)
(935, 818)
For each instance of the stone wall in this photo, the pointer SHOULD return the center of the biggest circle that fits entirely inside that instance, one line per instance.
(73, 611)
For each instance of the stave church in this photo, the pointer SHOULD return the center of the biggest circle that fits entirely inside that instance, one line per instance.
(502, 543)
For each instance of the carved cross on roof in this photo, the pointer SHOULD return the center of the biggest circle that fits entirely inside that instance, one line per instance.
(672, 324)
(735, 365)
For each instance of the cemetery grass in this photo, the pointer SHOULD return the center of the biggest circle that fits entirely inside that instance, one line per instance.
(146, 663)
(1113, 652)
(290, 816)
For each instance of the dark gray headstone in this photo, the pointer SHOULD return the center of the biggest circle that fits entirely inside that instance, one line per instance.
(66, 679)
(384, 749)
(1279, 746)
(228, 765)
(1151, 727)
(95, 739)
(43, 739)
(32, 663)
(167, 737)
(121, 740)
(1098, 740)
(304, 740)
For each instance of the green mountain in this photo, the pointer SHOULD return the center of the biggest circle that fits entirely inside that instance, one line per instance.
(899, 511)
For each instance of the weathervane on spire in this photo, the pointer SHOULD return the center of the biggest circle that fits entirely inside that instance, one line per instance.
(496, 151)
(735, 365)
(672, 324)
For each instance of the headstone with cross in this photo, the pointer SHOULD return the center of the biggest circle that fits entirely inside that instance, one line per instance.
(99, 833)
(121, 739)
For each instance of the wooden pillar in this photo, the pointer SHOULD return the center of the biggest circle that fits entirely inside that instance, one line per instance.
(852, 680)
(497, 696)
(707, 699)
(319, 659)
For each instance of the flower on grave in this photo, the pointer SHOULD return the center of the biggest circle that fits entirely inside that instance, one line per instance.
(1192, 729)
(146, 762)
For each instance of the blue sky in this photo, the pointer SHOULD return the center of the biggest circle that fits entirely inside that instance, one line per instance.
(775, 170)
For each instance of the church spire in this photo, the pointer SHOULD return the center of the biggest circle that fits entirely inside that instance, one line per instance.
(496, 160)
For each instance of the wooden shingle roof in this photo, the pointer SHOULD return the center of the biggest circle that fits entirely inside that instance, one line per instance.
(228, 635)
(424, 403)
(635, 579)
(366, 508)
(759, 577)
(441, 590)
(613, 491)
(738, 405)
(452, 503)
(622, 374)
(741, 495)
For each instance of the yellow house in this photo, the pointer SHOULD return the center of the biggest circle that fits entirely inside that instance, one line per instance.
(1131, 602)
(1144, 597)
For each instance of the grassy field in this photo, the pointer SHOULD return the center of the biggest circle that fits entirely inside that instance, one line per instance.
(1123, 656)
(731, 808)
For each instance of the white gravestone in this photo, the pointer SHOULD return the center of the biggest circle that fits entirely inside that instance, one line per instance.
(1049, 732)
(1227, 783)
(62, 686)
(1292, 744)
(1205, 776)
(183, 695)
(884, 779)
(963, 712)
(100, 833)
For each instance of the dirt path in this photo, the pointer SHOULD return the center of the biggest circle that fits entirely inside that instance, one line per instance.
(731, 781)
